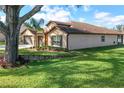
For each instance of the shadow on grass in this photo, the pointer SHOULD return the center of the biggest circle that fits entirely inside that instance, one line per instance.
(86, 69)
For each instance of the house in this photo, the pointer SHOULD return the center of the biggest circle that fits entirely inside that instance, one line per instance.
(78, 35)
(2, 37)
(28, 36)
(31, 37)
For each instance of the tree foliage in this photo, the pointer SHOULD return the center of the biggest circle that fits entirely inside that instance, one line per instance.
(119, 27)
(35, 24)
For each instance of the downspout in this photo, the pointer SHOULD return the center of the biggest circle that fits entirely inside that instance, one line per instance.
(67, 42)
(122, 37)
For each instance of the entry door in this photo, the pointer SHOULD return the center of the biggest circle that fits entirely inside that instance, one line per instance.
(40, 40)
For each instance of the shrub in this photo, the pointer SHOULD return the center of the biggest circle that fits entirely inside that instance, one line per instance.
(57, 48)
(43, 47)
(53, 48)
(3, 63)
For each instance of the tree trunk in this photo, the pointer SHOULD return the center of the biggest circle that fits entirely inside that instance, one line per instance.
(11, 50)
(11, 29)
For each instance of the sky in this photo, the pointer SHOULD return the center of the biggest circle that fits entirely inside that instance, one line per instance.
(100, 15)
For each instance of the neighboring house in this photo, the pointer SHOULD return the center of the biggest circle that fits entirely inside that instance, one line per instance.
(28, 36)
(77, 35)
(2, 37)
(31, 37)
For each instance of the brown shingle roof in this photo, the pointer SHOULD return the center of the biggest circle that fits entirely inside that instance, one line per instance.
(59, 23)
(93, 29)
(71, 30)
(82, 28)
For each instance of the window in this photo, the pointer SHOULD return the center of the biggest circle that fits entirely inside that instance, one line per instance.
(56, 41)
(119, 39)
(119, 36)
(102, 38)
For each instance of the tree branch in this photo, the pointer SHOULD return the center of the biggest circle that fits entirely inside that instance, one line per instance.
(30, 14)
(3, 8)
(3, 28)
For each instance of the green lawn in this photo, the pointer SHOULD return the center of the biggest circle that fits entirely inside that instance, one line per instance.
(2, 42)
(97, 67)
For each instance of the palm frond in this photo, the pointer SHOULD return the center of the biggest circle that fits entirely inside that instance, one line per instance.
(35, 24)
(41, 22)
(28, 25)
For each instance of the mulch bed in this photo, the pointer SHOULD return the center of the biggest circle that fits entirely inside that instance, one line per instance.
(39, 57)
(47, 50)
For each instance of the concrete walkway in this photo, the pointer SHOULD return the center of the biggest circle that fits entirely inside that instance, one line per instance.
(2, 47)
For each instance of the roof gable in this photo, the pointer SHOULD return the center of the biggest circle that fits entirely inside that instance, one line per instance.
(32, 31)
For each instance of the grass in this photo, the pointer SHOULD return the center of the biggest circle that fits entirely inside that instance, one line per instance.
(2, 42)
(97, 67)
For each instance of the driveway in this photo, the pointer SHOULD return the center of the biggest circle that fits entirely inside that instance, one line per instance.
(2, 47)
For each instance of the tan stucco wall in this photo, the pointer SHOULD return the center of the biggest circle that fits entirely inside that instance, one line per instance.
(57, 32)
(50, 26)
(123, 39)
(28, 33)
(87, 41)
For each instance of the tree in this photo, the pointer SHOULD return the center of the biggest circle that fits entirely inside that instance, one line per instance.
(119, 27)
(11, 29)
(35, 24)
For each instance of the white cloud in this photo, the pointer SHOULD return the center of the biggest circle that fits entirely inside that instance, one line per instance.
(39, 16)
(55, 14)
(108, 18)
(2, 18)
(81, 19)
(62, 13)
(117, 18)
(101, 15)
(86, 8)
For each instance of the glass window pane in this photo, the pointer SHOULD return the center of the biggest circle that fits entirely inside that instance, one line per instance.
(57, 40)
